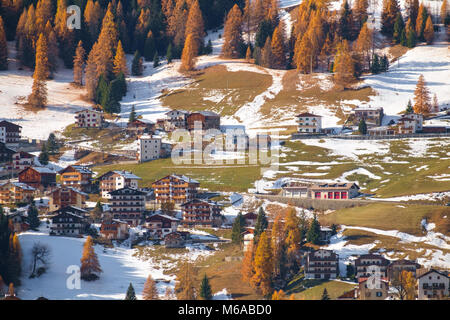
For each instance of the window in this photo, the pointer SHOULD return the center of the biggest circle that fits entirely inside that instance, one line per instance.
(379, 294)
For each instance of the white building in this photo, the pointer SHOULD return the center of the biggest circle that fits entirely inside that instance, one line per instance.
(309, 123)
(433, 285)
(89, 118)
(149, 148)
(322, 264)
(3, 134)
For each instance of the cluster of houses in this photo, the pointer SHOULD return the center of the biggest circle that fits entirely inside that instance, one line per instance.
(376, 276)
(408, 123)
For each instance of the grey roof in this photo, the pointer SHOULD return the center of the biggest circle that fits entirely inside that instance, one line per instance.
(184, 178)
(127, 174)
(43, 170)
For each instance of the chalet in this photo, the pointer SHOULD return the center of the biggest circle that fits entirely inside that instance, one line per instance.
(127, 204)
(67, 196)
(250, 219)
(176, 119)
(372, 288)
(175, 188)
(325, 234)
(18, 220)
(174, 240)
(381, 131)
(296, 190)
(114, 180)
(149, 148)
(89, 118)
(322, 264)
(67, 222)
(38, 177)
(201, 213)
(406, 125)
(114, 229)
(160, 225)
(20, 161)
(12, 132)
(203, 120)
(334, 191)
(248, 238)
(372, 116)
(139, 127)
(398, 266)
(433, 285)
(6, 154)
(16, 192)
(309, 123)
(79, 177)
(369, 264)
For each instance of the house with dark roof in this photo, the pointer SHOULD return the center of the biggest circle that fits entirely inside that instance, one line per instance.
(160, 225)
(16, 192)
(115, 180)
(372, 288)
(203, 120)
(334, 191)
(199, 212)
(127, 204)
(433, 285)
(12, 132)
(321, 264)
(370, 264)
(67, 196)
(76, 176)
(41, 178)
(68, 222)
(6, 154)
(175, 188)
(397, 266)
(309, 123)
(20, 161)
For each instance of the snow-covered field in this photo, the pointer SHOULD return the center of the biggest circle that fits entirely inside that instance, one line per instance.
(120, 268)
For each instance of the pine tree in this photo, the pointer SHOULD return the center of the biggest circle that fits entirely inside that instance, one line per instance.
(150, 292)
(266, 54)
(263, 264)
(169, 53)
(261, 223)
(136, 65)
(412, 9)
(233, 34)
(52, 144)
(411, 38)
(133, 115)
(238, 229)
(120, 61)
(346, 21)
(131, 294)
(43, 156)
(53, 53)
(325, 295)
(362, 127)
(428, 32)
(38, 96)
(185, 287)
(209, 48)
(409, 107)
(313, 235)
(150, 47)
(360, 12)
(422, 97)
(188, 56)
(90, 267)
(205, 289)
(3, 47)
(156, 60)
(78, 64)
(32, 216)
(398, 28)
(195, 26)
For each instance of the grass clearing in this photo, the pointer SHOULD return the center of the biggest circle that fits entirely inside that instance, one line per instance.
(388, 216)
(217, 89)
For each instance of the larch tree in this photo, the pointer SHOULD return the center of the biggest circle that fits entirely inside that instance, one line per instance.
(150, 292)
(364, 45)
(293, 236)
(428, 32)
(44, 13)
(303, 53)
(120, 61)
(53, 53)
(421, 22)
(78, 64)
(185, 287)
(247, 263)
(90, 267)
(195, 26)
(38, 96)
(92, 18)
(232, 34)
(248, 54)
(444, 12)
(344, 65)
(360, 12)
(422, 103)
(3, 47)
(263, 264)
(412, 9)
(188, 59)
(278, 237)
(278, 49)
(266, 54)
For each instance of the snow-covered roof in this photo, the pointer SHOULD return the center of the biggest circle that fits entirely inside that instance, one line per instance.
(184, 178)
(80, 169)
(127, 174)
(43, 170)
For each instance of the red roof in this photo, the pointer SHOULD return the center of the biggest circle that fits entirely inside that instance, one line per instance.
(307, 114)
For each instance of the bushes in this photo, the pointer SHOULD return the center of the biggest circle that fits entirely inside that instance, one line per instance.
(108, 94)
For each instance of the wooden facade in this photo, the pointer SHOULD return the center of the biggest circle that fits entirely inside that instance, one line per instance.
(77, 176)
(38, 177)
(207, 120)
(201, 213)
(175, 188)
(67, 196)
